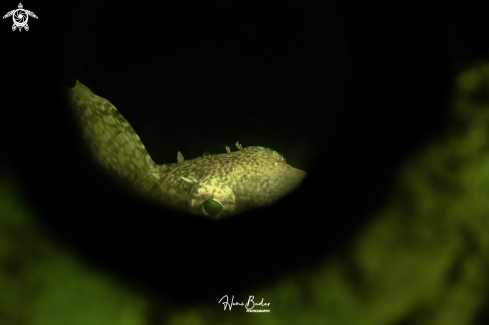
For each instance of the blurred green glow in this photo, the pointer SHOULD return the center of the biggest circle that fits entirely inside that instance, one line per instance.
(469, 79)
(41, 283)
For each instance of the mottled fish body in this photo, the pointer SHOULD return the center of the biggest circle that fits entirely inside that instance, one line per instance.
(215, 186)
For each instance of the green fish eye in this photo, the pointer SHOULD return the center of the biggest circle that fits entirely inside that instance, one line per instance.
(212, 207)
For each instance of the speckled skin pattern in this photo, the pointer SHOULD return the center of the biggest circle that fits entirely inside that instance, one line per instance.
(247, 178)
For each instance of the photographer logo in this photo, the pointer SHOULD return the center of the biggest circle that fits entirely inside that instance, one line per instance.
(20, 16)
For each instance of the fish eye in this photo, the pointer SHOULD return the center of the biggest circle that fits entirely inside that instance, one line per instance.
(211, 207)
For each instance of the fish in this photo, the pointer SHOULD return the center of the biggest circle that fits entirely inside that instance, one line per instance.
(215, 186)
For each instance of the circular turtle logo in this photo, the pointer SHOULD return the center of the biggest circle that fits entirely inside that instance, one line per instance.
(20, 17)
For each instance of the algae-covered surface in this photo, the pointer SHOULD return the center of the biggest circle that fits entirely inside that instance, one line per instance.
(421, 259)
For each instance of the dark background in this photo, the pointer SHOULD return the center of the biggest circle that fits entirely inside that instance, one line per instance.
(344, 90)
